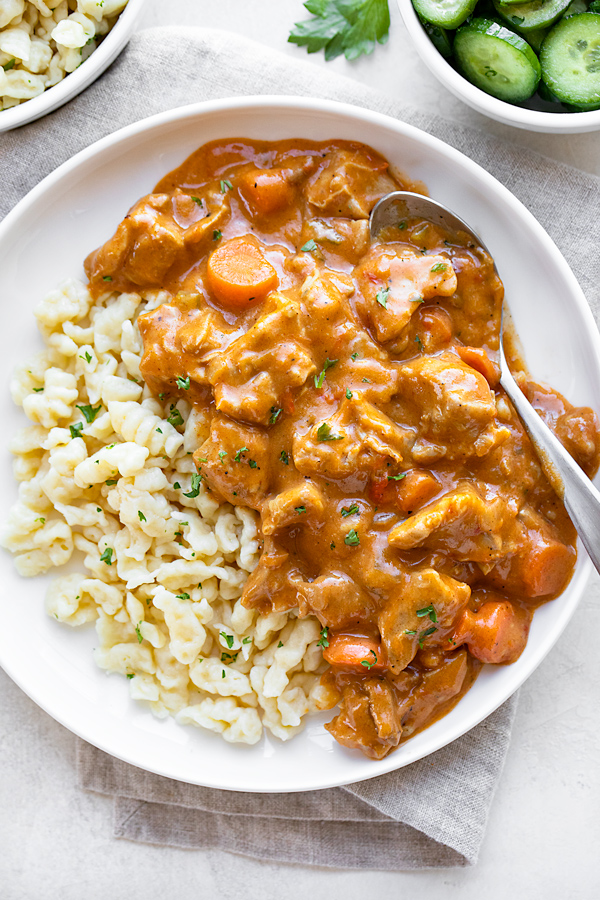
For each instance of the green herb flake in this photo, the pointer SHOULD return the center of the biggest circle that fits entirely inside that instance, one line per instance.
(300, 509)
(253, 464)
(275, 413)
(87, 357)
(76, 429)
(41, 519)
(107, 278)
(348, 394)
(226, 185)
(159, 430)
(161, 396)
(107, 556)
(350, 510)
(183, 383)
(90, 412)
(419, 342)
(38, 390)
(410, 632)
(319, 379)
(382, 297)
(183, 596)
(246, 640)
(217, 235)
(9, 65)
(238, 454)
(197, 200)
(428, 611)
(223, 673)
(425, 634)
(175, 418)
(130, 675)
(176, 486)
(280, 644)
(332, 546)
(439, 267)
(402, 226)
(195, 487)
(111, 481)
(323, 642)
(369, 663)
(396, 477)
(354, 357)
(309, 247)
(324, 433)
(284, 457)
(228, 638)
(141, 516)
(352, 539)
(229, 657)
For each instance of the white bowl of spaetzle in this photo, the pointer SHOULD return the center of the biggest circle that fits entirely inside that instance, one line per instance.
(51, 50)
(158, 564)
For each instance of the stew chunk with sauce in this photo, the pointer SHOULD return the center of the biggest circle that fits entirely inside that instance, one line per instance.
(349, 394)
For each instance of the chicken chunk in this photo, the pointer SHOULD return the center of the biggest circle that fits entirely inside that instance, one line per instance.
(402, 629)
(272, 587)
(358, 437)
(350, 183)
(347, 237)
(143, 248)
(463, 524)
(234, 460)
(252, 376)
(368, 719)
(295, 506)
(436, 688)
(336, 600)
(455, 405)
(393, 284)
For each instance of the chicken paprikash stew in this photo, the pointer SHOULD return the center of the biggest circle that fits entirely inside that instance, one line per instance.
(351, 393)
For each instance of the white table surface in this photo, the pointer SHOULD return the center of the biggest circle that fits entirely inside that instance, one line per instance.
(544, 827)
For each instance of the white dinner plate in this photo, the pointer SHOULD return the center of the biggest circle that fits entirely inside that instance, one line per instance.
(46, 238)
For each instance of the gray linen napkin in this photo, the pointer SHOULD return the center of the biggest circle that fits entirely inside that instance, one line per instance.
(432, 813)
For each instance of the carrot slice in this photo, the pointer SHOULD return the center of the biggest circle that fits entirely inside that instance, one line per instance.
(497, 633)
(477, 358)
(238, 273)
(415, 489)
(356, 652)
(267, 190)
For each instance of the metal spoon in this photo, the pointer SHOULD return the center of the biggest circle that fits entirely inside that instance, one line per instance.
(581, 499)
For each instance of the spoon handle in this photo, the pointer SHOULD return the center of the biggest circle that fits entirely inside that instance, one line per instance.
(581, 498)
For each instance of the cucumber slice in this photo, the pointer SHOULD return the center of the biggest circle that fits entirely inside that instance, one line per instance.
(444, 13)
(497, 60)
(536, 38)
(439, 37)
(576, 7)
(570, 60)
(531, 16)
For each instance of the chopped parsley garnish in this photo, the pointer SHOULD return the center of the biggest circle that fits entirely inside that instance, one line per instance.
(332, 546)
(138, 632)
(348, 394)
(238, 455)
(396, 477)
(228, 658)
(107, 278)
(223, 674)
(38, 390)
(369, 663)
(130, 675)
(419, 342)
(253, 464)
(111, 481)
(246, 640)
(175, 418)
(425, 634)
(183, 596)
(222, 455)
(410, 632)
(107, 556)
(197, 200)
(283, 456)
(176, 486)
(228, 638)
(275, 413)
(76, 429)
(350, 510)
(439, 267)
(300, 509)
(280, 644)
(195, 487)
(90, 412)
(319, 379)
(226, 185)
(323, 642)
(87, 356)
(183, 383)
(41, 519)
(382, 296)
(9, 65)
(401, 225)
(350, 27)
(354, 357)
(324, 433)
(159, 430)
(309, 247)
(217, 235)
(428, 611)
(141, 516)
(352, 538)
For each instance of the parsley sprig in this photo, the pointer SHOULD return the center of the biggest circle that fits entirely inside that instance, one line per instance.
(350, 27)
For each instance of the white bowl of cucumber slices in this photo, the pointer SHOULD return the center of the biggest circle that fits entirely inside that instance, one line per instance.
(534, 64)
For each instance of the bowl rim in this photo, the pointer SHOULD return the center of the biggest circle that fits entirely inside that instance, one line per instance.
(357, 771)
(486, 104)
(76, 82)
